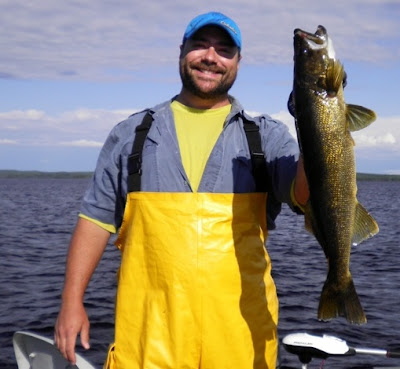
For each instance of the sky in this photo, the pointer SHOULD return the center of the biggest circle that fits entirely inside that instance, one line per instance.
(70, 70)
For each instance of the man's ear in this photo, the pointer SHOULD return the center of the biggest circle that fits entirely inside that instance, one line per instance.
(239, 59)
(181, 51)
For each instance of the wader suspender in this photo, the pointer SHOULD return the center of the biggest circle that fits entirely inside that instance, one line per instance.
(135, 158)
(253, 139)
(257, 156)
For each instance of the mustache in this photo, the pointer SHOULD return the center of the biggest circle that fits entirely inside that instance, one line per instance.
(208, 67)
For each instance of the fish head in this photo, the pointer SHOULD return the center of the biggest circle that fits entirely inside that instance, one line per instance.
(314, 56)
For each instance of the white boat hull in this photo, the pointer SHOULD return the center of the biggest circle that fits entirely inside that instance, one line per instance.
(33, 351)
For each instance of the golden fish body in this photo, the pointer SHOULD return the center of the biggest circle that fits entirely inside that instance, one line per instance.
(324, 122)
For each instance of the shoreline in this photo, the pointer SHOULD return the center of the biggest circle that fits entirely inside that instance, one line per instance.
(15, 174)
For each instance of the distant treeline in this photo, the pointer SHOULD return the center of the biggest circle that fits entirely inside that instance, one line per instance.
(38, 174)
(66, 175)
(377, 177)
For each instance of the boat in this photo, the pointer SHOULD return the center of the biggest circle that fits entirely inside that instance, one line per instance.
(33, 351)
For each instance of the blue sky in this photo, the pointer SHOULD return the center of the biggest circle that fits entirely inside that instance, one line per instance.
(71, 70)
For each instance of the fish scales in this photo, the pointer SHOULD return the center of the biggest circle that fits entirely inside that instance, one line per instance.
(323, 123)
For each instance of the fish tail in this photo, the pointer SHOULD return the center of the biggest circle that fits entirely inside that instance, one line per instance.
(341, 301)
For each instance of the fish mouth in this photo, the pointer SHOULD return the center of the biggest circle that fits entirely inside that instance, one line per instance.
(314, 41)
(317, 40)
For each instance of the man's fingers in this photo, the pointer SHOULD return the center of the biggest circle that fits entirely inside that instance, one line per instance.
(65, 342)
(69, 352)
(72, 320)
(85, 336)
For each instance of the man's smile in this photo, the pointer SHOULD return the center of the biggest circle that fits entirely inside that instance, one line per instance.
(208, 71)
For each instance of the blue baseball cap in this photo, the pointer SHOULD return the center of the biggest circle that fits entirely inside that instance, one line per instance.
(214, 19)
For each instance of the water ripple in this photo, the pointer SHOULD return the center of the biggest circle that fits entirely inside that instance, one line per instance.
(38, 217)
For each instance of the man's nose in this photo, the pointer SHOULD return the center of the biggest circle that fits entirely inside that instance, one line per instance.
(211, 54)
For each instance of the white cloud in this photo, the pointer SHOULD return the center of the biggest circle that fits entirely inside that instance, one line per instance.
(16, 115)
(282, 116)
(286, 117)
(384, 134)
(82, 143)
(97, 39)
(89, 128)
(7, 142)
(81, 127)
(380, 139)
(364, 140)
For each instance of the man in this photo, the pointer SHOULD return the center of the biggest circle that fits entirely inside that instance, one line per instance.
(194, 287)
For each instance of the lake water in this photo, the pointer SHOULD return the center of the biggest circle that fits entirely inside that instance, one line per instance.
(37, 217)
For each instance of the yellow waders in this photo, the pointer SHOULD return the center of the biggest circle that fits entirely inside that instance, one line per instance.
(195, 289)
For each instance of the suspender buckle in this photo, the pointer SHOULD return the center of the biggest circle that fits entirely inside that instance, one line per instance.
(258, 155)
(134, 164)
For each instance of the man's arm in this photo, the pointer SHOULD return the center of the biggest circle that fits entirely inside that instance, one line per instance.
(85, 251)
(301, 191)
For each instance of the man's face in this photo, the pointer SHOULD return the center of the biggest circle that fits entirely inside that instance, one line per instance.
(208, 63)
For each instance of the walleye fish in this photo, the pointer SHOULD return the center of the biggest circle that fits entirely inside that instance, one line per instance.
(324, 122)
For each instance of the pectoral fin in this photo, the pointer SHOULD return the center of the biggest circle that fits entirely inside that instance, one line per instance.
(359, 117)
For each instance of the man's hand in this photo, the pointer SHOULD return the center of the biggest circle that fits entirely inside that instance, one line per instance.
(72, 320)
(301, 191)
(86, 248)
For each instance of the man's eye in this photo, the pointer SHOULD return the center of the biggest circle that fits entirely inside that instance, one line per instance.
(199, 45)
(226, 51)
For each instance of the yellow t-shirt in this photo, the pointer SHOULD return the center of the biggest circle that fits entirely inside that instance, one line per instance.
(197, 132)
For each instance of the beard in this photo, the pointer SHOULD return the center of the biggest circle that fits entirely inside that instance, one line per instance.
(219, 89)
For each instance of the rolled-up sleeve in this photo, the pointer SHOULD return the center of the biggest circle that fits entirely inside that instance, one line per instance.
(104, 200)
